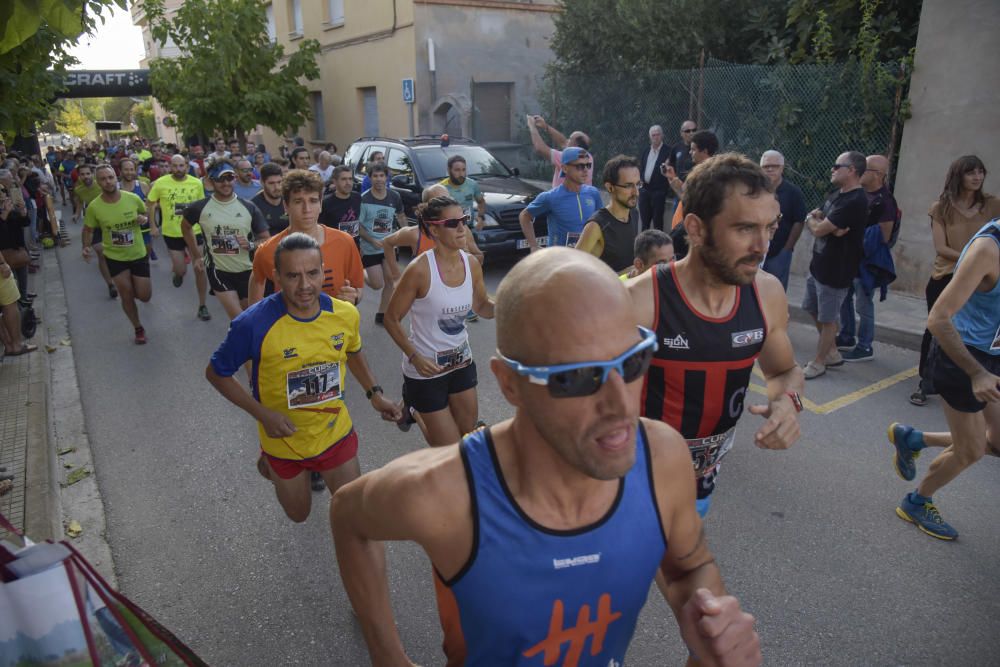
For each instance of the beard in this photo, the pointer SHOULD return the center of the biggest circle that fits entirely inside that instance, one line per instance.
(458, 181)
(721, 266)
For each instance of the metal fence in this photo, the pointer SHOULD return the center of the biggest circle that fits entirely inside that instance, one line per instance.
(811, 113)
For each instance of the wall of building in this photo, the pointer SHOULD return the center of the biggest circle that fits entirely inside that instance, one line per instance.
(371, 47)
(955, 98)
(484, 40)
(154, 51)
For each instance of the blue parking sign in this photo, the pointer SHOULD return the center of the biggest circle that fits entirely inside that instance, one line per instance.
(408, 96)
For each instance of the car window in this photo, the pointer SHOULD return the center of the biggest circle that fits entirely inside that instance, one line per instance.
(367, 156)
(433, 161)
(352, 154)
(399, 163)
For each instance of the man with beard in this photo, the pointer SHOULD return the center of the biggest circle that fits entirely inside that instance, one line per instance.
(269, 201)
(715, 314)
(610, 232)
(546, 530)
(85, 191)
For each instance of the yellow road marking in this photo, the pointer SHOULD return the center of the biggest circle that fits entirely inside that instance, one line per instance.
(846, 399)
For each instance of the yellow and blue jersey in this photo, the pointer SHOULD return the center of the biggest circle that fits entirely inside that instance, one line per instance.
(298, 369)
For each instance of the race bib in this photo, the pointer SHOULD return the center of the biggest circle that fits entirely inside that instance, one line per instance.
(996, 340)
(225, 244)
(706, 453)
(313, 385)
(572, 238)
(122, 239)
(454, 358)
(349, 227)
(382, 225)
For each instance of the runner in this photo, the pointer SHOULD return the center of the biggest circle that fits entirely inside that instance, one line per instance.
(610, 233)
(119, 215)
(437, 290)
(567, 207)
(268, 200)
(415, 237)
(714, 314)
(652, 247)
(964, 364)
(299, 341)
(171, 193)
(342, 207)
(466, 192)
(380, 206)
(546, 530)
(128, 182)
(232, 226)
(85, 191)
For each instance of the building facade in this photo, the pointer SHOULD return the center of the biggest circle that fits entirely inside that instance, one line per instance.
(165, 129)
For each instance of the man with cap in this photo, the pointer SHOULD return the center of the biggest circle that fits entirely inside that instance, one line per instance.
(567, 206)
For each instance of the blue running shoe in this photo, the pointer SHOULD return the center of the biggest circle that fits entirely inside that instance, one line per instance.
(905, 457)
(927, 518)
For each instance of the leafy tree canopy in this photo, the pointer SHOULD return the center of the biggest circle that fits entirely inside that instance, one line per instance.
(230, 77)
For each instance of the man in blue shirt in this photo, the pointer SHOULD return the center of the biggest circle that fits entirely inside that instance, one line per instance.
(566, 207)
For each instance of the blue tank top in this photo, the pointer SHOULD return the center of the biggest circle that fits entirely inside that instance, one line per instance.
(534, 596)
(978, 322)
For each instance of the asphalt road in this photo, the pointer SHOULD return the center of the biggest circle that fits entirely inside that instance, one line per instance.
(806, 538)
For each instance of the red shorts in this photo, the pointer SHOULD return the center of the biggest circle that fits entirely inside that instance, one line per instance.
(335, 455)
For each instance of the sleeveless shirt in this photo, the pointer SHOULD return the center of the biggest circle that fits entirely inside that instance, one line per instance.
(978, 321)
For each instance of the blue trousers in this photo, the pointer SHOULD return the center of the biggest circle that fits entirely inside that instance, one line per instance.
(864, 304)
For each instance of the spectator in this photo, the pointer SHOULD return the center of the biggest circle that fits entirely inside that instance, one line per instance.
(323, 167)
(839, 229)
(555, 156)
(610, 232)
(883, 213)
(961, 211)
(653, 195)
(680, 153)
(703, 145)
(793, 213)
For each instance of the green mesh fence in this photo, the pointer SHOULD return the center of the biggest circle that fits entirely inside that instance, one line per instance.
(811, 113)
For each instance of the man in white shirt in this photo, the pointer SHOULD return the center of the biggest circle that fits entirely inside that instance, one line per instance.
(653, 195)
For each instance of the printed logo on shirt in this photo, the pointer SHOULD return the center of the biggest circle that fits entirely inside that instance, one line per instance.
(678, 342)
(337, 340)
(576, 636)
(589, 559)
(744, 338)
(290, 352)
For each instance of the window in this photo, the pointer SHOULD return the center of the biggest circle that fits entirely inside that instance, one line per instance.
(318, 121)
(363, 162)
(399, 164)
(334, 12)
(295, 17)
(369, 111)
(272, 33)
(492, 110)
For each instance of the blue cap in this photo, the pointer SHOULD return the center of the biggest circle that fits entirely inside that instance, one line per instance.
(572, 154)
(220, 169)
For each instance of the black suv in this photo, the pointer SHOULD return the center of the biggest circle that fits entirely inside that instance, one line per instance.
(422, 161)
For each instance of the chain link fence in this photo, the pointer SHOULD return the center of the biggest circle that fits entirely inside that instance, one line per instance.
(811, 113)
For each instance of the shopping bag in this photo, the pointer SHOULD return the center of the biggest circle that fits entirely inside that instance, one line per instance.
(56, 609)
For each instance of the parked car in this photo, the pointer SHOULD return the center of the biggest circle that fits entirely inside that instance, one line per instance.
(421, 161)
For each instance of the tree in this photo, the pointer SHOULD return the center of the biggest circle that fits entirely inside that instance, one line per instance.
(73, 121)
(34, 36)
(145, 120)
(230, 76)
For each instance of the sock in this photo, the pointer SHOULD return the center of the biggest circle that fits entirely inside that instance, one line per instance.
(918, 499)
(915, 440)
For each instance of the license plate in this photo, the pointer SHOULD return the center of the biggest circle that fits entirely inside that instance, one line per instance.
(543, 241)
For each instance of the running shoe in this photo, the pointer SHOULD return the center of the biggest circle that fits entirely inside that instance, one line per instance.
(834, 359)
(813, 370)
(152, 255)
(178, 280)
(112, 292)
(927, 518)
(203, 314)
(316, 481)
(471, 316)
(140, 336)
(845, 342)
(905, 456)
(918, 397)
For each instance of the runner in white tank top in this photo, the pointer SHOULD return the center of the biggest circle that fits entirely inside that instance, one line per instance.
(437, 289)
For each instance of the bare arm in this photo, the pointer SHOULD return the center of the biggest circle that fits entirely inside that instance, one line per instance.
(482, 304)
(640, 289)
(977, 270)
(591, 239)
(390, 243)
(541, 148)
(557, 137)
(793, 236)
(941, 246)
(480, 212)
(151, 214)
(886, 228)
(255, 290)
(415, 277)
(275, 424)
(187, 229)
(528, 229)
(358, 365)
(820, 226)
(473, 249)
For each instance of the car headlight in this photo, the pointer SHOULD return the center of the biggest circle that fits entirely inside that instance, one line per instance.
(491, 221)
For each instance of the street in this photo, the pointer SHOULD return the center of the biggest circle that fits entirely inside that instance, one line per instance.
(807, 538)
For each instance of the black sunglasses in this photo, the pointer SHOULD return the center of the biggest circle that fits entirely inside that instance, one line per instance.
(225, 177)
(693, 129)
(840, 166)
(451, 223)
(583, 166)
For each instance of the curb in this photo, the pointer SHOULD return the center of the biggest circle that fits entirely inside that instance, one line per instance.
(80, 501)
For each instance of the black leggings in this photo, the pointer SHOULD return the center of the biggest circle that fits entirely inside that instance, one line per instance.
(933, 290)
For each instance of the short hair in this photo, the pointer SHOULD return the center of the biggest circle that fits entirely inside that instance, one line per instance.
(127, 159)
(706, 141)
(231, 140)
(582, 141)
(301, 180)
(85, 165)
(857, 161)
(655, 127)
(295, 241)
(377, 167)
(296, 151)
(613, 166)
(340, 169)
(772, 153)
(269, 169)
(710, 182)
(105, 165)
(453, 159)
(647, 241)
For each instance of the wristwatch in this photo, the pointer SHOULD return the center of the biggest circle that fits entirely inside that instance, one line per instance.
(796, 400)
(374, 390)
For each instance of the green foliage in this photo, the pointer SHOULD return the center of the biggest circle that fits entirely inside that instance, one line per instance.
(230, 76)
(145, 119)
(72, 120)
(822, 40)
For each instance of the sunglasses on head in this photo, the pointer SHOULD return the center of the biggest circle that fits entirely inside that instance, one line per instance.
(225, 177)
(451, 223)
(587, 377)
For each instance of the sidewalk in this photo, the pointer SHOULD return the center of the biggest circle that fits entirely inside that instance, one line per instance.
(899, 320)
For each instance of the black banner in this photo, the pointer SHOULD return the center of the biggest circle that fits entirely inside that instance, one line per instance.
(107, 83)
